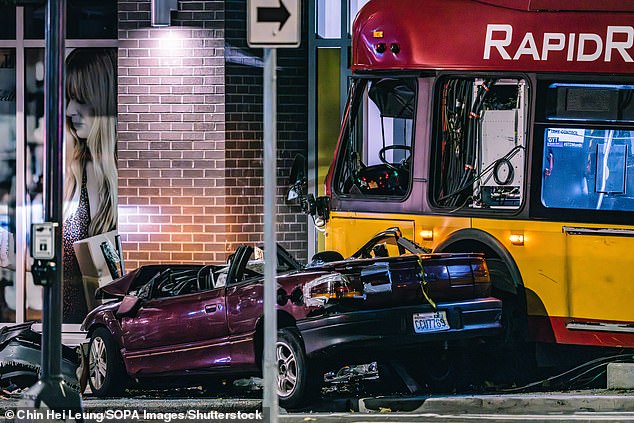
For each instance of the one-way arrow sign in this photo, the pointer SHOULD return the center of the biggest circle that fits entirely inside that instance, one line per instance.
(273, 23)
(273, 14)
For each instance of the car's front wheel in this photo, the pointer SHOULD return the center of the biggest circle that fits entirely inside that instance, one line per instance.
(294, 380)
(106, 373)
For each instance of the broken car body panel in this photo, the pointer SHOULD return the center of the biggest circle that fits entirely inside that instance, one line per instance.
(193, 319)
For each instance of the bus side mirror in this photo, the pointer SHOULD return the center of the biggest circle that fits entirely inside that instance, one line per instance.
(298, 182)
(322, 210)
(318, 207)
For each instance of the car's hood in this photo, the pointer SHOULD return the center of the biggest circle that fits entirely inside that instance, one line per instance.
(118, 287)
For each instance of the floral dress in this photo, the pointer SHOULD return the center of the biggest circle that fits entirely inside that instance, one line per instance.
(75, 229)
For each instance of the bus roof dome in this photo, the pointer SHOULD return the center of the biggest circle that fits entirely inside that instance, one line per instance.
(565, 5)
(495, 35)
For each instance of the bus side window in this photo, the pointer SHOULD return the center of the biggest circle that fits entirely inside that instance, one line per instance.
(588, 146)
(588, 169)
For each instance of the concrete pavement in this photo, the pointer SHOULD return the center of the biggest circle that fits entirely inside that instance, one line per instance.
(556, 403)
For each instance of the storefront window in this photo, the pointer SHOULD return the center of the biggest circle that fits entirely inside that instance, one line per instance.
(34, 17)
(91, 19)
(7, 23)
(92, 33)
(34, 155)
(90, 179)
(7, 186)
(355, 6)
(328, 18)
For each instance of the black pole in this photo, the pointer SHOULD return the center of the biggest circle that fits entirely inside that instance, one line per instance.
(51, 391)
(55, 110)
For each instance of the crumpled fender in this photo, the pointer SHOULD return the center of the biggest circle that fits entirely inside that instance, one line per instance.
(21, 355)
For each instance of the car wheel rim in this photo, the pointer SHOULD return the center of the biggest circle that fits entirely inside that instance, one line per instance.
(286, 370)
(97, 363)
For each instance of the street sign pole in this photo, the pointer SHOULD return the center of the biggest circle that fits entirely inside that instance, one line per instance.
(271, 24)
(270, 248)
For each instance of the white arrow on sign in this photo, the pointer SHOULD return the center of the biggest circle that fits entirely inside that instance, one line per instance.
(273, 23)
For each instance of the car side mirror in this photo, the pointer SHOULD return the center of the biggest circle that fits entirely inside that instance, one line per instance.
(130, 304)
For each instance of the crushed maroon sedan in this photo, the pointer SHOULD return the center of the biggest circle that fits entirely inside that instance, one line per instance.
(206, 321)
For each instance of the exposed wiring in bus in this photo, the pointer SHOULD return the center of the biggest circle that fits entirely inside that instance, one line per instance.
(460, 125)
(469, 184)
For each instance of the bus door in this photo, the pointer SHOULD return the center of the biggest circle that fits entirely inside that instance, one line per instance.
(588, 179)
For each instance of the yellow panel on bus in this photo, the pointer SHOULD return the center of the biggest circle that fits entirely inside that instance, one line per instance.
(576, 271)
(347, 232)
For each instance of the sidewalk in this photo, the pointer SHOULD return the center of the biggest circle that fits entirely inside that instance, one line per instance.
(548, 402)
(560, 402)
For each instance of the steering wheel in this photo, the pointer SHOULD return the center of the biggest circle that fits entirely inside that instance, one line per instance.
(394, 166)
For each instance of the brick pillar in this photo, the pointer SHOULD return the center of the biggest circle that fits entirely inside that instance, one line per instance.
(190, 190)
(244, 154)
(171, 134)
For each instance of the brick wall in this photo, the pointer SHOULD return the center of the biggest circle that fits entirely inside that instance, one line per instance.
(190, 156)
(243, 120)
(171, 134)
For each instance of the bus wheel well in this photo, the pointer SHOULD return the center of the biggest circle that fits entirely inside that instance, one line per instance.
(470, 246)
(284, 320)
(502, 268)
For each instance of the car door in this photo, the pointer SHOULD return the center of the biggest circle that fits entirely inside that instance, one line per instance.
(244, 307)
(187, 331)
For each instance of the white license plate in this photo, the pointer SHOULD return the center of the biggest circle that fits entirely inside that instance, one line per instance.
(430, 322)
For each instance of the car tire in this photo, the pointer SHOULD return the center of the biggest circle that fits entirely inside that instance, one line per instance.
(512, 356)
(445, 370)
(295, 381)
(106, 374)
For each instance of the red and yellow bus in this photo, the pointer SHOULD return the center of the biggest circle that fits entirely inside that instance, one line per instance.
(504, 127)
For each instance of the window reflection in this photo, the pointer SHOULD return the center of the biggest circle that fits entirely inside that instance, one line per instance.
(7, 186)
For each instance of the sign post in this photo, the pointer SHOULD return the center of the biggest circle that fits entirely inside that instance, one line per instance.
(271, 24)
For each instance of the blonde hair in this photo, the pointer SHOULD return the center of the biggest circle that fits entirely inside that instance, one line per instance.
(91, 80)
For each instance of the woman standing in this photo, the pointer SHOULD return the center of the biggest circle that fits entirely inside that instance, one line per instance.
(90, 191)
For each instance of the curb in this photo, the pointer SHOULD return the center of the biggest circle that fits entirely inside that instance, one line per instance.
(171, 404)
(506, 404)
